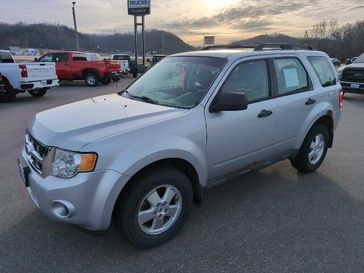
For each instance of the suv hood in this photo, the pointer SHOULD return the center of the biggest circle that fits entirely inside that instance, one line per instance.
(74, 125)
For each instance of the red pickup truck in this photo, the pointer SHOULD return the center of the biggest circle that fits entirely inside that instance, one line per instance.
(72, 65)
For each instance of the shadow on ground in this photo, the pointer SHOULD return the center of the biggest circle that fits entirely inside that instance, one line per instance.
(264, 222)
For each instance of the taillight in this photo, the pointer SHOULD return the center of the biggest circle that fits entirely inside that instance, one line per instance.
(24, 71)
(341, 98)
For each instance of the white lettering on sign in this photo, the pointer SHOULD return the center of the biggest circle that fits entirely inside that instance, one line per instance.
(139, 4)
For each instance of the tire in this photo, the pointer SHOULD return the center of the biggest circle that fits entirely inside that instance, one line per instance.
(91, 79)
(37, 93)
(106, 81)
(116, 79)
(8, 94)
(135, 75)
(309, 160)
(134, 201)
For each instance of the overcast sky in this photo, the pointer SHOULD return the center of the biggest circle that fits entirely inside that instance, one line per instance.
(190, 19)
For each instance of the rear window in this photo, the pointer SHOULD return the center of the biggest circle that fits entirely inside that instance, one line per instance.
(121, 58)
(79, 57)
(291, 76)
(323, 70)
(5, 57)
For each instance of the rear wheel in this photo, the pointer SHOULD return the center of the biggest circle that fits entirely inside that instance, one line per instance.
(37, 93)
(106, 81)
(154, 208)
(135, 74)
(313, 150)
(91, 79)
(8, 94)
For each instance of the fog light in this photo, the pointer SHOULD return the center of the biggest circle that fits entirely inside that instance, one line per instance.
(62, 209)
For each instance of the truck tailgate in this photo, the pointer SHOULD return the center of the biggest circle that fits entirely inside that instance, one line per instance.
(41, 71)
(113, 66)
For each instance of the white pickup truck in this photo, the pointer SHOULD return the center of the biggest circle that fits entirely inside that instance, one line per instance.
(36, 78)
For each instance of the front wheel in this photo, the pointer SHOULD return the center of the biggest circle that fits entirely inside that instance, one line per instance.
(313, 150)
(37, 93)
(154, 208)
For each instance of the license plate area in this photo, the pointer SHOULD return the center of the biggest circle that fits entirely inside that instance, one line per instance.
(355, 85)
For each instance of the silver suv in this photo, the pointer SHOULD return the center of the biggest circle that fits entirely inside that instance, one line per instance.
(143, 156)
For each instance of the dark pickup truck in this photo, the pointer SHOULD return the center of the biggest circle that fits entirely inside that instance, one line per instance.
(352, 76)
(127, 65)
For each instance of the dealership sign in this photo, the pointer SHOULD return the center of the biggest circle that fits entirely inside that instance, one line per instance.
(139, 7)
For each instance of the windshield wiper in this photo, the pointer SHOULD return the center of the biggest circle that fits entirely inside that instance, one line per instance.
(146, 99)
(142, 98)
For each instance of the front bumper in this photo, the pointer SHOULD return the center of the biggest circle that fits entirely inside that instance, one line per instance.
(31, 85)
(347, 87)
(86, 200)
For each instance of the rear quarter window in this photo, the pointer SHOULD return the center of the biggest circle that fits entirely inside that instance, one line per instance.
(323, 70)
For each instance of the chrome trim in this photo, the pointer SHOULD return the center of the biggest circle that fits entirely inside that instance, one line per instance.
(38, 160)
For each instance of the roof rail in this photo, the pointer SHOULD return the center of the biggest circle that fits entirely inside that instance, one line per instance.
(283, 46)
(263, 46)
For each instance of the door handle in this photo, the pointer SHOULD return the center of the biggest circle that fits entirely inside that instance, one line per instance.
(310, 101)
(265, 113)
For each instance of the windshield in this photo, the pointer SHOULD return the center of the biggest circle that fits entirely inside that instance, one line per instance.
(179, 82)
(360, 59)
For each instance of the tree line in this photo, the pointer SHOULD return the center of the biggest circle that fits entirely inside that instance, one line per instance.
(60, 37)
(341, 42)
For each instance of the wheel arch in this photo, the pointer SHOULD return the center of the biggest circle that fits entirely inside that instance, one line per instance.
(181, 164)
(325, 118)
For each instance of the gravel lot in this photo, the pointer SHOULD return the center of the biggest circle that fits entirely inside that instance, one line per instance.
(275, 220)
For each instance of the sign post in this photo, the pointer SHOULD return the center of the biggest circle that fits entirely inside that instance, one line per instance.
(139, 8)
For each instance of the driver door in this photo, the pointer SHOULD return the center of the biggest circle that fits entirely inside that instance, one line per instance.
(237, 139)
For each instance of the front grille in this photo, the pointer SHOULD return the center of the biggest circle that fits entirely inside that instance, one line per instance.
(36, 152)
(353, 75)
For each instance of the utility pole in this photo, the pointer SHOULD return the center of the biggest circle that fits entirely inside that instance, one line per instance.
(75, 25)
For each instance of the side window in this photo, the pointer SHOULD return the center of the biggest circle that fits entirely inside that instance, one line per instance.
(60, 58)
(291, 76)
(250, 78)
(47, 58)
(79, 57)
(323, 70)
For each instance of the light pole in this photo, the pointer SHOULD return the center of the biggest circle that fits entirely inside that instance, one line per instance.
(75, 25)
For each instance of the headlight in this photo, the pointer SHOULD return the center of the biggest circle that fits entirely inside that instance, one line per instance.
(67, 164)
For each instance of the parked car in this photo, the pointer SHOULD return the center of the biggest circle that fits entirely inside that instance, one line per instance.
(127, 65)
(36, 78)
(156, 59)
(142, 156)
(352, 76)
(72, 65)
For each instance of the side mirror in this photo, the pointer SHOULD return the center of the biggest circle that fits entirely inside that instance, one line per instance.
(229, 102)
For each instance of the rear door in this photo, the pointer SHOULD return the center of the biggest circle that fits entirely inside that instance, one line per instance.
(240, 138)
(295, 98)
